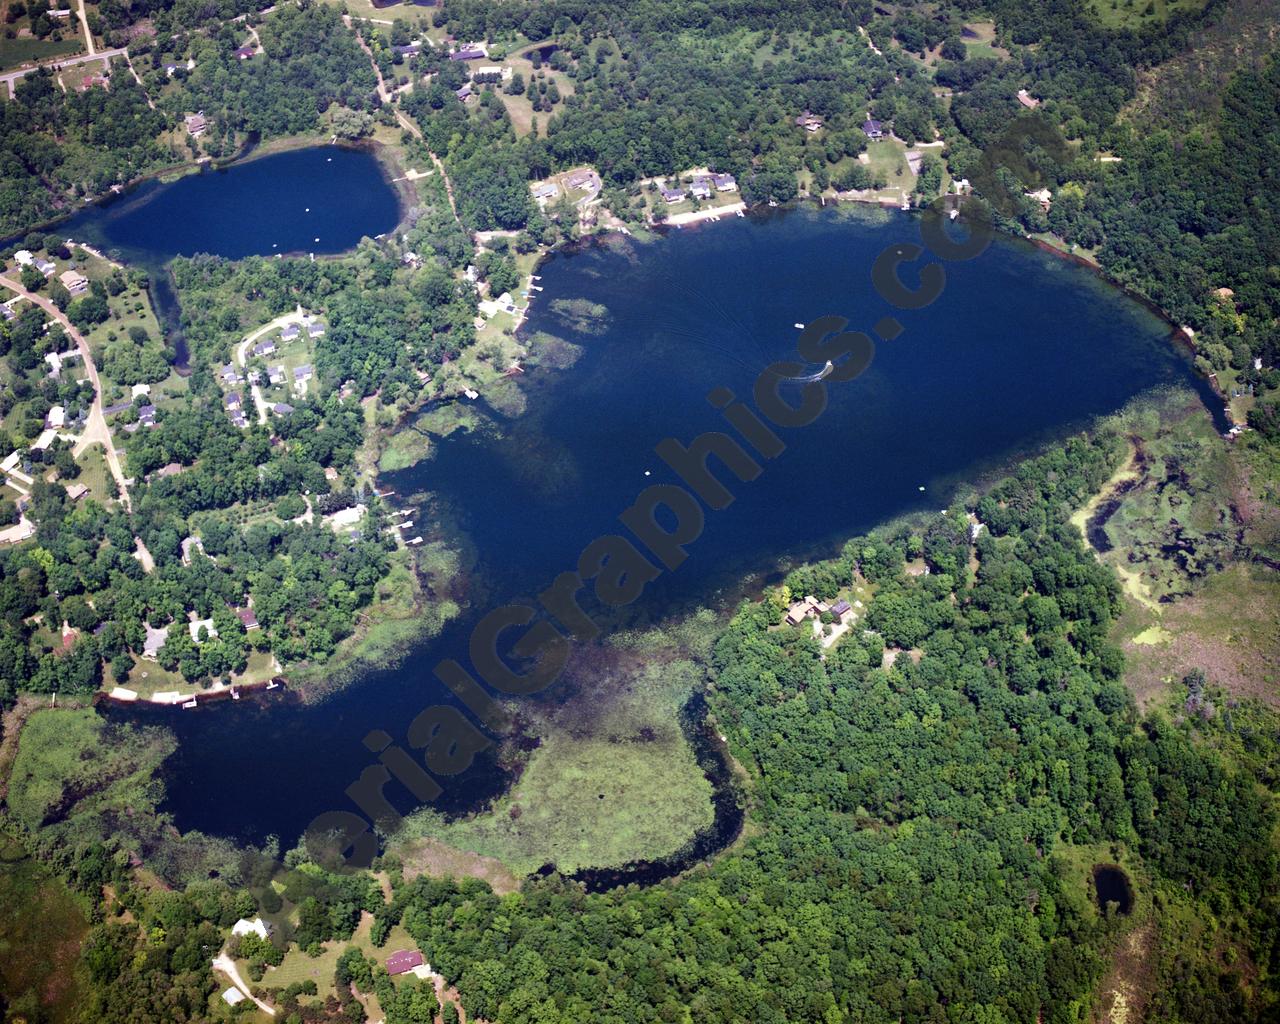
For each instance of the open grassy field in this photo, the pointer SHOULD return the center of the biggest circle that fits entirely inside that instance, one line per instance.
(979, 41)
(14, 53)
(1139, 14)
(41, 928)
(520, 108)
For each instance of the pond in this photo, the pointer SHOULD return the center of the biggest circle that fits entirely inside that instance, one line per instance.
(322, 200)
(1111, 885)
(1021, 348)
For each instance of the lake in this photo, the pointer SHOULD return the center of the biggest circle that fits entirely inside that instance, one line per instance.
(321, 200)
(1021, 348)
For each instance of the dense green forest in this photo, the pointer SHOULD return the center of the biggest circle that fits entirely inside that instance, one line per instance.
(915, 823)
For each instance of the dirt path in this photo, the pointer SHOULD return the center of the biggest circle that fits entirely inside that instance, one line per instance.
(88, 36)
(227, 966)
(95, 430)
(129, 61)
(385, 95)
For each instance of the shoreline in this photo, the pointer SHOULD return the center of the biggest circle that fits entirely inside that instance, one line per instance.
(250, 150)
(354, 663)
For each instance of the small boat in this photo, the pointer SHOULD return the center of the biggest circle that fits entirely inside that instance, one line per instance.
(235, 694)
(799, 327)
(953, 214)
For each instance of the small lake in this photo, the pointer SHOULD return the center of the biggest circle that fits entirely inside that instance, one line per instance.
(322, 199)
(319, 200)
(1021, 348)
(1111, 885)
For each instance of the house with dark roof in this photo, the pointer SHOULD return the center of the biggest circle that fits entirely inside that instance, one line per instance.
(147, 416)
(196, 123)
(232, 401)
(289, 332)
(282, 409)
(468, 53)
(245, 52)
(264, 348)
(315, 328)
(303, 373)
(247, 618)
(403, 961)
(672, 195)
(701, 187)
(229, 375)
(873, 129)
(724, 182)
(275, 375)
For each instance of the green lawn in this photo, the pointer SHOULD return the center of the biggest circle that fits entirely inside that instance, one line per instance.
(16, 52)
(298, 967)
(94, 473)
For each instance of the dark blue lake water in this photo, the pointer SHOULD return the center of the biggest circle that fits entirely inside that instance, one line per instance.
(1021, 348)
(323, 199)
(319, 200)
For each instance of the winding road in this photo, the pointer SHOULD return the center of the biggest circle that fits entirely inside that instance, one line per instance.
(95, 429)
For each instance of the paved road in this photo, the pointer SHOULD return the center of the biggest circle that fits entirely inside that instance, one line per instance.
(95, 430)
(10, 78)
